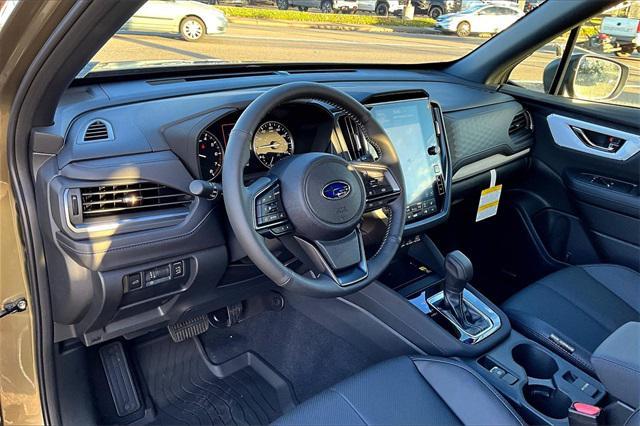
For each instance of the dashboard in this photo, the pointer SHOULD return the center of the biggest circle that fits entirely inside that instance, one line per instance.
(131, 249)
(411, 120)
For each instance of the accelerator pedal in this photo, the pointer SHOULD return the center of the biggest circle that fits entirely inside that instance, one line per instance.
(182, 331)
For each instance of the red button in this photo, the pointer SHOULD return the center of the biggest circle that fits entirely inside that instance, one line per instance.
(588, 409)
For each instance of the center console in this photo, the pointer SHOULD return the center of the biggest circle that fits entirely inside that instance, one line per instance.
(438, 312)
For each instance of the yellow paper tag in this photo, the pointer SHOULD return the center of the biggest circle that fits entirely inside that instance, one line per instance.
(489, 200)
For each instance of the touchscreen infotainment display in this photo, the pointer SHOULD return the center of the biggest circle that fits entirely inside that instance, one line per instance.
(411, 128)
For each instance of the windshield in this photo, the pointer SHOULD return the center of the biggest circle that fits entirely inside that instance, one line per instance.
(169, 33)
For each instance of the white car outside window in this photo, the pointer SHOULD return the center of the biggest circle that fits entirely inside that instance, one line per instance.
(191, 19)
(380, 7)
(479, 19)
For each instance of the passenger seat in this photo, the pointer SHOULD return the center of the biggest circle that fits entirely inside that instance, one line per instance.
(575, 309)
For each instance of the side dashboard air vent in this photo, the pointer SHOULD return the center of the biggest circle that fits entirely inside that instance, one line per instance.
(109, 200)
(98, 130)
(356, 139)
(521, 124)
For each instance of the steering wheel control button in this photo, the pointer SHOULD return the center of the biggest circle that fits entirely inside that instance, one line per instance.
(378, 188)
(269, 209)
(281, 229)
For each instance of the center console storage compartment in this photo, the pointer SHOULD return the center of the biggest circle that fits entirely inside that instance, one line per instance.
(550, 401)
(540, 391)
(535, 362)
(540, 383)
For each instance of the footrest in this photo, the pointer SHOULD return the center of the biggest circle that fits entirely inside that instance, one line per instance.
(116, 369)
(182, 331)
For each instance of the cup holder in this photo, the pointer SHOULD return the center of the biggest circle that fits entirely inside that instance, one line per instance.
(535, 362)
(549, 401)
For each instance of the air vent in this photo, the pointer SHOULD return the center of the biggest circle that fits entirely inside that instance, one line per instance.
(521, 123)
(98, 130)
(360, 149)
(112, 200)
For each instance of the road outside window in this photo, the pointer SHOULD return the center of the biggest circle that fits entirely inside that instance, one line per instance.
(217, 32)
(610, 68)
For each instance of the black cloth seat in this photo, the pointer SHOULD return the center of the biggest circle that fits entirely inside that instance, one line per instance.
(580, 305)
(407, 391)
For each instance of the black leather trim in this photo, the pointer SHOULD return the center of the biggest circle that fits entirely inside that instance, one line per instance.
(634, 419)
(463, 406)
(580, 305)
(541, 332)
(617, 363)
(420, 390)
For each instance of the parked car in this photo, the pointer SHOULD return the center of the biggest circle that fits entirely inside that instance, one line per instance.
(617, 35)
(326, 6)
(479, 19)
(381, 7)
(436, 8)
(191, 19)
(239, 3)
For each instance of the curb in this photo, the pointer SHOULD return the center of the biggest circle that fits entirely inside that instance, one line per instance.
(333, 26)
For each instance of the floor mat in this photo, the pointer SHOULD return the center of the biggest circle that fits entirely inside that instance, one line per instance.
(306, 353)
(188, 389)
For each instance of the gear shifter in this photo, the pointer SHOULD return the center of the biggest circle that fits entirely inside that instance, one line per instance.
(459, 271)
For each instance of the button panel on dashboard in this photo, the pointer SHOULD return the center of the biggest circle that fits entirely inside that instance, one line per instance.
(154, 276)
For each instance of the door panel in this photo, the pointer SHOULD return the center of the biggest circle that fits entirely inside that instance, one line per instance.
(595, 180)
(593, 139)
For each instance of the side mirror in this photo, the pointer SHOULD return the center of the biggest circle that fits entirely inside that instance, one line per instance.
(589, 77)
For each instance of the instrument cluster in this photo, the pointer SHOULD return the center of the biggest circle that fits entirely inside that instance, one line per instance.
(286, 131)
(272, 142)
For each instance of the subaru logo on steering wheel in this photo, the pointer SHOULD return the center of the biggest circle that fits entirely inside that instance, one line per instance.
(336, 190)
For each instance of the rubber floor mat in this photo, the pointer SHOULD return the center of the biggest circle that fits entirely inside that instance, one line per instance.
(188, 389)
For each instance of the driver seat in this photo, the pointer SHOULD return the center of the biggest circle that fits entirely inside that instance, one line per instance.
(416, 390)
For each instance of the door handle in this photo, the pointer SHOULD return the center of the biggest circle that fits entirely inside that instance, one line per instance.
(609, 144)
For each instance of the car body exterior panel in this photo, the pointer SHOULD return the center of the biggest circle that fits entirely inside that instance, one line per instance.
(166, 16)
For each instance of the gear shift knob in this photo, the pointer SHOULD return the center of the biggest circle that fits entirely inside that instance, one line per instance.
(459, 271)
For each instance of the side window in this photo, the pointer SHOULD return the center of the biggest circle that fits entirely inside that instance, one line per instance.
(604, 65)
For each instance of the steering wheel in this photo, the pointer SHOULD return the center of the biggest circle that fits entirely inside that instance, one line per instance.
(314, 202)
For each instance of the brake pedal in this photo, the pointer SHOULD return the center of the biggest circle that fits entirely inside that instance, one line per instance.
(182, 331)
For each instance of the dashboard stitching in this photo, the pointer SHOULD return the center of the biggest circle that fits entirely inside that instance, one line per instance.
(162, 240)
